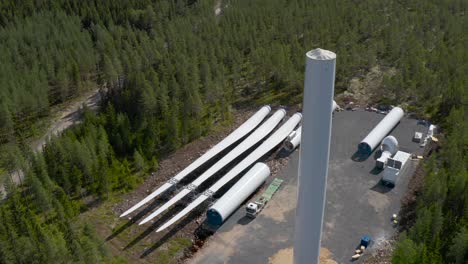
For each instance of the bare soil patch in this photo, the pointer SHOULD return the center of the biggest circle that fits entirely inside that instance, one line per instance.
(285, 256)
(368, 88)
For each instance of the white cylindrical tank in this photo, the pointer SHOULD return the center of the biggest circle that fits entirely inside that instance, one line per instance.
(294, 139)
(292, 135)
(292, 143)
(314, 154)
(431, 130)
(233, 198)
(389, 147)
(270, 143)
(384, 127)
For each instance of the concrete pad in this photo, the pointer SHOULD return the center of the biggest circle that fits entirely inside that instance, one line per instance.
(356, 203)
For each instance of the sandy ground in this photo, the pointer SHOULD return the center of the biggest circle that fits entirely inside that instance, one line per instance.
(369, 87)
(285, 256)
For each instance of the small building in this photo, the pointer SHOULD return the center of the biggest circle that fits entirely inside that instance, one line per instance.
(394, 167)
(417, 137)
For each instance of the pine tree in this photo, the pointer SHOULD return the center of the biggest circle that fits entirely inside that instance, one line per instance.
(406, 253)
(40, 196)
(458, 251)
(173, 127)
(138, 161)
(6, 125)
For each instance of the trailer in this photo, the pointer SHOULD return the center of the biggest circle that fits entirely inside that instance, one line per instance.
(254, 208)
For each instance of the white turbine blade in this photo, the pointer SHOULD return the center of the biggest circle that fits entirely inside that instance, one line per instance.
(264, 148)
(235, 136)
(267, 145)
(148, 198)
(182, 213)
(259, 133)
(163, 208)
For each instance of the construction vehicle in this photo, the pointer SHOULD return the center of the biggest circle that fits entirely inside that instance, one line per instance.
(254, 208)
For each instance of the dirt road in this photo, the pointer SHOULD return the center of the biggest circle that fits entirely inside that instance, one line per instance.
(68, 116)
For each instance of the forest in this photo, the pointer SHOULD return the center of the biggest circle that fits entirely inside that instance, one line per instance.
(171, 70)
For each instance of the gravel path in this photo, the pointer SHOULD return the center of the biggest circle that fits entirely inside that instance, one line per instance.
(69, 115)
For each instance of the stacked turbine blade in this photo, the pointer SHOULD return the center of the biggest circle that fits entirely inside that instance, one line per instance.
(232, 138)
(274, 140)
(253, 139)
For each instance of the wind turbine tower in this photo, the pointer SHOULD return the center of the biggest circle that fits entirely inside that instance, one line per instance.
(314, 154)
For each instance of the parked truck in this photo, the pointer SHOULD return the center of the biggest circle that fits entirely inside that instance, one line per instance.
(254, 208)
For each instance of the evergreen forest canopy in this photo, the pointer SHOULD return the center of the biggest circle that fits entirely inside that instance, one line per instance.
(172, 69)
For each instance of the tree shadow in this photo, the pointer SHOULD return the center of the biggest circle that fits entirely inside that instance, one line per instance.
(90, 204)
(189, 218)
(381, 188)
(134, 219)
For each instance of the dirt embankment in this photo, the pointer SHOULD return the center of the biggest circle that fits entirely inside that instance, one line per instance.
(368, 88)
